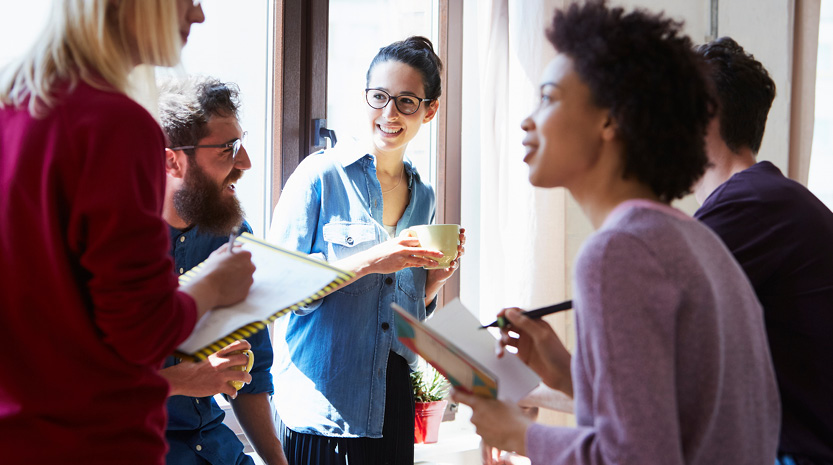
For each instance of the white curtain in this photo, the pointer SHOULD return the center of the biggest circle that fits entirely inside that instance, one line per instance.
(522, 246)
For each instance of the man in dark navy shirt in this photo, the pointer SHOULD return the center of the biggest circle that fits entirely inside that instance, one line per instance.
(782, 236)
(204, 158)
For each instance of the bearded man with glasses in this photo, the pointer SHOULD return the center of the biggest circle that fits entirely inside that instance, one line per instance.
(206, 156)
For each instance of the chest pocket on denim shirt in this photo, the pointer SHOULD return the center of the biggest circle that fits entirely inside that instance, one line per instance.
(346, 238)
(412, 284)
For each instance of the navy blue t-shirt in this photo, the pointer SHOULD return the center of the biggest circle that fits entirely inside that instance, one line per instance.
(782, 236)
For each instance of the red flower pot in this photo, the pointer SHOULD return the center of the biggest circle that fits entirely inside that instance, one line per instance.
(427, 419)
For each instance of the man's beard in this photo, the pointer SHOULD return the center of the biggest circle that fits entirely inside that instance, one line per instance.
(202, 203)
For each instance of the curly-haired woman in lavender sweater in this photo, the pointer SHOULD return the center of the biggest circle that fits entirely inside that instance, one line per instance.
(671, 364)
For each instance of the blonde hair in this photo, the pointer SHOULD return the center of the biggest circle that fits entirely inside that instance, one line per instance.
(91, 40)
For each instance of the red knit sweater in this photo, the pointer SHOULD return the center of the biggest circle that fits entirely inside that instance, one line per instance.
(89, 305)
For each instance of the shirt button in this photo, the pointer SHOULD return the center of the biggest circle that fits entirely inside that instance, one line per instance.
(385, 326)
(181, 238)
(349, 241)
(388, 280)
(199, 448)
(181, 270)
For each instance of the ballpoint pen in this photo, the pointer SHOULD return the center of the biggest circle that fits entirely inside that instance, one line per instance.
(537, 313)
(231, 238)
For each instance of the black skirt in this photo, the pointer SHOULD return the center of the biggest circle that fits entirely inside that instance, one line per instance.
(395, 447)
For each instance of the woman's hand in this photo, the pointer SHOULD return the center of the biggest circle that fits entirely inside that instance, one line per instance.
(389, 257)
(539, 348)
(494, 456)
(500, 424)
(436, 278)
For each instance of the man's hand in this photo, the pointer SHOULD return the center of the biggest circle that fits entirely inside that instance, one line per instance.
(211, 376)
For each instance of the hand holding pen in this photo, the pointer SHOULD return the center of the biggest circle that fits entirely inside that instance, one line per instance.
(223, 279)
(231, 238)
(538, 313)
(538, 347)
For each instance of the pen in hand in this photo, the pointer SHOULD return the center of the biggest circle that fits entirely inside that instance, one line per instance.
(231, 238)
(501, 322)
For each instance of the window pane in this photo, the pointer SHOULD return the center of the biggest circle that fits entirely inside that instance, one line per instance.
(821, 160)
(17, 36)
(233, 45)
(357, 30)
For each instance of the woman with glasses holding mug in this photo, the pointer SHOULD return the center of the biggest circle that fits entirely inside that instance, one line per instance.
(90, 305)
(341, 377)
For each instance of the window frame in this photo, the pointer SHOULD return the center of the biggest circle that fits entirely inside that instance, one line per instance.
(300, 96)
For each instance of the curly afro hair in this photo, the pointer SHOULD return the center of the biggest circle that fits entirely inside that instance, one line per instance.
(642, 68)
(744, 92)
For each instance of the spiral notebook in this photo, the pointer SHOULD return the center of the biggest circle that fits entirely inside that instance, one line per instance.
(284, 280)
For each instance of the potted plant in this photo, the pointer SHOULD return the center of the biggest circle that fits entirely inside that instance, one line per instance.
(430, 389)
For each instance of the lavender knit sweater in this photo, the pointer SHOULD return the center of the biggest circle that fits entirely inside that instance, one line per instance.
(671, 364)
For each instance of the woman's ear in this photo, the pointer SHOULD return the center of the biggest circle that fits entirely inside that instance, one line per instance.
(175, 163)
(609, 128)
(432, 111)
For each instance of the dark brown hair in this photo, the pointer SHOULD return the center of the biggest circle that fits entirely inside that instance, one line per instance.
(186, 105)
(744, 92)
(418, 53)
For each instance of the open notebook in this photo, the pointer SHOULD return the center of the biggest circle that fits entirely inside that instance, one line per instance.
(283, 281)
(453, 343)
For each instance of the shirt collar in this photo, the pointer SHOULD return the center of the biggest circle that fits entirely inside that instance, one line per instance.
(349, 157)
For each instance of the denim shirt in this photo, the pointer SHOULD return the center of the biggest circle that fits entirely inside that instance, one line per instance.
(331, 357)
(195, 431)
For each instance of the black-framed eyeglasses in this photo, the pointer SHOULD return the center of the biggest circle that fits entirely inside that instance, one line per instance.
(233, 147)
(406, 104)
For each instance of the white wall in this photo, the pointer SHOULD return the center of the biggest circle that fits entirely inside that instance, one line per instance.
(764, 29)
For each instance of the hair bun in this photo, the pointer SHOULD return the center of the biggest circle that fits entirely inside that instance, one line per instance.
(418, 52)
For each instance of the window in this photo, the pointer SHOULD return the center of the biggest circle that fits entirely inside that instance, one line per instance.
(18, 36)
(357, 29)
(309, 48)
(821, 160)
(233, 45)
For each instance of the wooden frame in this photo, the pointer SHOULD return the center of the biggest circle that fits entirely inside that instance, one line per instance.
(300, 85)
(449, 169)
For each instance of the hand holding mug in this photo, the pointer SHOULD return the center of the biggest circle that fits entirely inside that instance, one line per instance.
(442, 237)
(247, 368)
